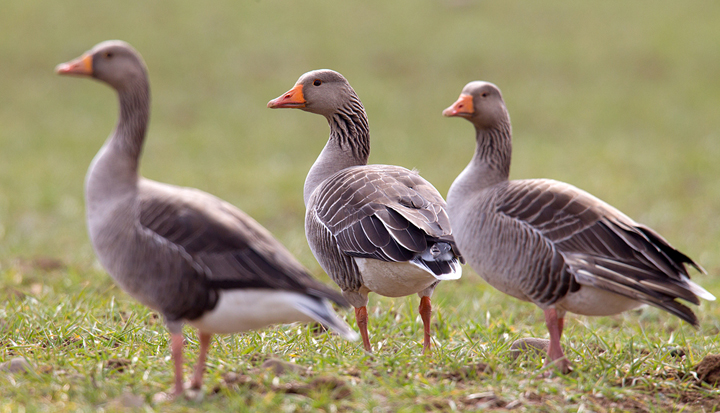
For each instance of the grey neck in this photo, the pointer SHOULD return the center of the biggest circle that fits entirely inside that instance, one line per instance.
(132, 123)
(348, 145)
(493, 152)
(490, 164)
(114, 170)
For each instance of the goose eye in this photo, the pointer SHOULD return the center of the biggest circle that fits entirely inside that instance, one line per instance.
(317, 82)
(484, 94)
(108, 55)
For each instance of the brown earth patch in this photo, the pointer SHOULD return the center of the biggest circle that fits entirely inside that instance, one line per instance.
(471, 372)
(118, 365)
(709, 369)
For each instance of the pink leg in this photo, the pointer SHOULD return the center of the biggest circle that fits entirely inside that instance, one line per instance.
(361, 318)
(196, 382)
(425, 313)
(555, 352)
(177, 342)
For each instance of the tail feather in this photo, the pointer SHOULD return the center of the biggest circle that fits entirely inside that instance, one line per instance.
(700, 292)
(641, 284)
(673, 307)
(442, 270)
(441, 260)
(321, 311)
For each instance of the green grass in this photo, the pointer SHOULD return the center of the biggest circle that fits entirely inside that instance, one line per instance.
(617, 98)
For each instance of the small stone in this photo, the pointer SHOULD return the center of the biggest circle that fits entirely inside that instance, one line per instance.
(231, 378)
(36, 289)
(162, 397)
(481, 396)
(280, 367)
(127, 400)
(529, 345)
(16, 365)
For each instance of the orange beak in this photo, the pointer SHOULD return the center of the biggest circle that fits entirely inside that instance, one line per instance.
(293, 98)
(81, 66)
(462, 107)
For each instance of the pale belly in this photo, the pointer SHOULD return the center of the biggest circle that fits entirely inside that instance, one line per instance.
(243, 310)
(393, 279)
(588, 300)
(596, 302)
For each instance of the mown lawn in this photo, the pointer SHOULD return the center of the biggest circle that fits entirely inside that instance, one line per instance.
(620, 99)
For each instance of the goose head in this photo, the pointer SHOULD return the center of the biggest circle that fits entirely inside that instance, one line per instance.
(113, 62)
(324, 92)
(482, 104)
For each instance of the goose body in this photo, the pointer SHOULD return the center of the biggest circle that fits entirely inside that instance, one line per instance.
(366, 230)
(185, 253)
(552, 244)
(372, 228)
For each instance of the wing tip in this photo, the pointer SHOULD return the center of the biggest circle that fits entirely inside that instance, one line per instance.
(322, 312)
(700, 292)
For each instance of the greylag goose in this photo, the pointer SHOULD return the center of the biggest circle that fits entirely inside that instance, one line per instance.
(185, 253)
(372, 228)
(552, 244)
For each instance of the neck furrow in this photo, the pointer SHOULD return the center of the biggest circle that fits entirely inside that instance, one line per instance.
(349, 130)
(348, 145)
(133, 120)
(494, 151)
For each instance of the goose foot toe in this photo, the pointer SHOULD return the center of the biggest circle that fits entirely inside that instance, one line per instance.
(561, 366)
(190, 391)
(163, 397)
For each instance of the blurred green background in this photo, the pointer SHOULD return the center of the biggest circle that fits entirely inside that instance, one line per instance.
(618, 98)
